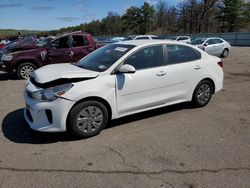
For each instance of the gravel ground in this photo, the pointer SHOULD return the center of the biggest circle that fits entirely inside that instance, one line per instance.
(176, 146)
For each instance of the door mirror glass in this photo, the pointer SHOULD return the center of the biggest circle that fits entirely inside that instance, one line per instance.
(206, 44)
(126, 69)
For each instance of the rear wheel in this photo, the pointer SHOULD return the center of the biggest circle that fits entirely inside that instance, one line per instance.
(24, 70)
(202, 93)
(87, 119)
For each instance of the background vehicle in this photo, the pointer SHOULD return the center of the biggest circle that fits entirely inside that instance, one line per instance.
(184, 39)
(110, 83)
(213, 45)
(117, 39)
(141, 37)
(70, 47)
(2, 46)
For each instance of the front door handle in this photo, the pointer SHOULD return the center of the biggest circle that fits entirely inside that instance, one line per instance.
(197, 67)
(69, 53)
(161, 73)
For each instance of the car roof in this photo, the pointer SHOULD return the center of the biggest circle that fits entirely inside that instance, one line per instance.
(147, 42)
(205, 38)
(142, 36)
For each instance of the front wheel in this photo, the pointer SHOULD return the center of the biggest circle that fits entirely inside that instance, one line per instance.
(87, 119)
(225, 53)
(24, 70)
(202, 93)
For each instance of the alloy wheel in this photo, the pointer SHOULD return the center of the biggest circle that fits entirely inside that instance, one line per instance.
(26, 71)
(204, 93)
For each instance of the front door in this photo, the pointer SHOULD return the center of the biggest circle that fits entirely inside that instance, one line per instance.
(61, 51)
(144, 88)
(211, 47)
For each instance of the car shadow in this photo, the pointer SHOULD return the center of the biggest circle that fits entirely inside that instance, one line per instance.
(16, 129)
(7, 76)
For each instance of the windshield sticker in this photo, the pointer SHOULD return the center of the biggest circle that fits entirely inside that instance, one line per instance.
(102, 67)
(120, 49)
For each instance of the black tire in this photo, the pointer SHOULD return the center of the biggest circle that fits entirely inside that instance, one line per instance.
(202, 93)
(225, 53)
(81, 122)
(24, 70)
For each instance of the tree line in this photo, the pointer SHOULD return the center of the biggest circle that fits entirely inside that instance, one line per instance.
(189, 16)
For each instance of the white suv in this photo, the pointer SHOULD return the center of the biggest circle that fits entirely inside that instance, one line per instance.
(184, 39)
(118, 80)
(142, 37)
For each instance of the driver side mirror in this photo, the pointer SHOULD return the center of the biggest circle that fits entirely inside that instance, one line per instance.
(206, 44)
(129, 69)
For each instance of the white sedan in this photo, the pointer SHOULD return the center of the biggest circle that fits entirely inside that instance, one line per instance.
(213, 45)
(118, 80)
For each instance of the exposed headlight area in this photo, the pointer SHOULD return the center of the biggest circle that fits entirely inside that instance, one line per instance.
(6, 57)
(50, 94)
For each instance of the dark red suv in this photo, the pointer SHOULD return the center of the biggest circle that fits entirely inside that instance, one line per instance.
(67, 48)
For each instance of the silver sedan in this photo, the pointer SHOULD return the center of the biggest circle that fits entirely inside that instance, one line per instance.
(213, 45)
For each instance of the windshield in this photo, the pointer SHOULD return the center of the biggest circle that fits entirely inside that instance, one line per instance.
(130, 38)
(103, 58)
(198, 41)
(42, 42)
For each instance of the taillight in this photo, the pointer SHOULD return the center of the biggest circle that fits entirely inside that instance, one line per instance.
(220, 63)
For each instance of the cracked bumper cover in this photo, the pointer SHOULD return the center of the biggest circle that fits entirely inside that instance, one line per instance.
(37, 118)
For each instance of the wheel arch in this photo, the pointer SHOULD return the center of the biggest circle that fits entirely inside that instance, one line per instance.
(92, 98)
(19, 62)
(211, 81)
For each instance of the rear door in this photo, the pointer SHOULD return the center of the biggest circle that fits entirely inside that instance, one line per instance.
(81, 47)
(184, 70)
(220, 46)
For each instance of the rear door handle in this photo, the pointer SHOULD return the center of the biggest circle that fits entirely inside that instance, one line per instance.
(197, 67)
(161, 73)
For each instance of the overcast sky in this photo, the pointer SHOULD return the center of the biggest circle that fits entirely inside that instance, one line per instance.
(54, 14)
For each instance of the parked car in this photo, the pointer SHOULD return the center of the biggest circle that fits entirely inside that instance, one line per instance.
(67, 48)
(5, 42)
(2, 46)
(184, 39)
(117, 39)
(19, 45)
(117, 80)
(213, 45)
(142, 37)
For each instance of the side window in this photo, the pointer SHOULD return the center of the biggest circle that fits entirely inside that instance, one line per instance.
(61, 43)
(211, 41)
(141, 38)
(181, 38)
(218, 41)
(155, 38)
(79, 40)
(180, 54)
(146, 58)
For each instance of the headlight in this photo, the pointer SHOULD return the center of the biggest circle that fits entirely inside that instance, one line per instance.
(7, 57)
(52, 93)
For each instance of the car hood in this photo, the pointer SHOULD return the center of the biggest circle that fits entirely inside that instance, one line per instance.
(60, 72)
